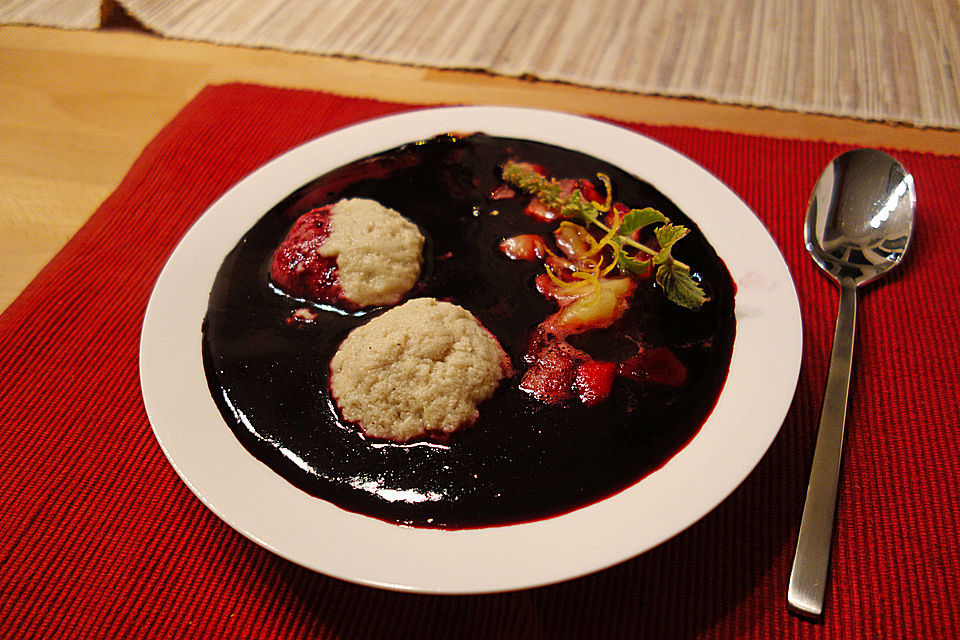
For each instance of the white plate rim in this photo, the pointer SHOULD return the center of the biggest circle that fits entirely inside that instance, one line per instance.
(260, 505)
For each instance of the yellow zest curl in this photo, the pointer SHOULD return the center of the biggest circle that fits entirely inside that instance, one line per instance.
(557, 280)
(613, 264)
(607, 239)
(592, 277)
(606, 183)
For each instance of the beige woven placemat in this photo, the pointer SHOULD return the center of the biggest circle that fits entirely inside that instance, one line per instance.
(889, 60)
(78, 14)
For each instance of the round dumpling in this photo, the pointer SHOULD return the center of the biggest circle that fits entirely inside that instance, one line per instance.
(420, 368)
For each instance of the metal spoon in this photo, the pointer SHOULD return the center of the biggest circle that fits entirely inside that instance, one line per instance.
(859, 222)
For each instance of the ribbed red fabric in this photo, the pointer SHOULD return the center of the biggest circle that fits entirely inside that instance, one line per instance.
(100, 539)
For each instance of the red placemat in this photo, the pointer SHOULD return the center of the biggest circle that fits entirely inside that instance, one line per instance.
(101, 539)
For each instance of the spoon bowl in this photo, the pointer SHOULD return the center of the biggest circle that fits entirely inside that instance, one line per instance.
(858, 227)
(860, 216)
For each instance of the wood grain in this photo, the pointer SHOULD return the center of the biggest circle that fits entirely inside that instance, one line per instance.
(77, 107)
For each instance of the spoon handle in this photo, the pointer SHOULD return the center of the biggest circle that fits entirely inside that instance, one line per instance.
(808, 578)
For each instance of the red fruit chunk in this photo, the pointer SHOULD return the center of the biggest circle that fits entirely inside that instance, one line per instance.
(528, 247)
(552, 376)
(574, 241)
(593, 381)
(530, 166)
(589, 192)
(585, 305)
(538, 340)
(656, 366)
(542, 212)
(503, 192)
(299, 269)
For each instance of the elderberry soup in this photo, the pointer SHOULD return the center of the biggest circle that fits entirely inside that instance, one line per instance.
(605, 317)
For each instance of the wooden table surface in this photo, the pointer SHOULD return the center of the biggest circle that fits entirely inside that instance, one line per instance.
(77, 108)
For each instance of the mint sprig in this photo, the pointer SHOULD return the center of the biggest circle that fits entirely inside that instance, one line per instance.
(546, 191)
(671, 274)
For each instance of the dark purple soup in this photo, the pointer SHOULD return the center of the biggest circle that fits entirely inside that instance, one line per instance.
(522, 460)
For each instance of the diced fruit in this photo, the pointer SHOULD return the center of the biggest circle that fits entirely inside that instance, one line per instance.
(567, 187)
(528, 247)
(560, 372)
(564, 294)
(544, 213)
(538, 340)
(586, 305)
(552, 376)
(656, 366)
(531, 166)
(594, 380)
(591, 311)
(589, 192)
(570, 292)
(540, 211)
(559, 265)
(573, 240)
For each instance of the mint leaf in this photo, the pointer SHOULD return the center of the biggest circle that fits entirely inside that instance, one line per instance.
(678, 286)
(639, 218)
(632, 265)
(669, 234)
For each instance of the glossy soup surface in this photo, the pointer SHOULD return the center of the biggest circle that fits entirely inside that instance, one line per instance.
(522, 460)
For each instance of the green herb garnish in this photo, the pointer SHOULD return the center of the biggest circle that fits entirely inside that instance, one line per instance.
(630, 256)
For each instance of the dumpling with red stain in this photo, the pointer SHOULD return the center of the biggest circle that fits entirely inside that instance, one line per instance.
(353, 254)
